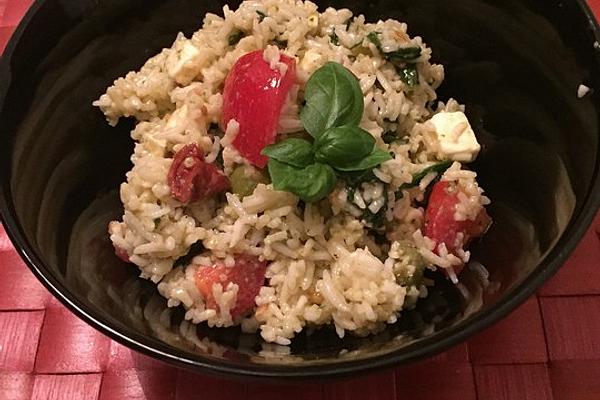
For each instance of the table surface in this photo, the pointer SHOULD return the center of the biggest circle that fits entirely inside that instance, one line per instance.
(549, 348)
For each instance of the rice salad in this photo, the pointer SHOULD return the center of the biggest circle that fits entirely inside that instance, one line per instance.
(293, 168)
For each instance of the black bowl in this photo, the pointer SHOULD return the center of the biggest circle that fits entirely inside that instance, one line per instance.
(516, 64)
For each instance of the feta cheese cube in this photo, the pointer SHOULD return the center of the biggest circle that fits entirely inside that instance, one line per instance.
(310, 61)
(183, 63)
(455, 136)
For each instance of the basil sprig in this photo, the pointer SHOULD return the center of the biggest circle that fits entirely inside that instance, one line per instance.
(334, 107)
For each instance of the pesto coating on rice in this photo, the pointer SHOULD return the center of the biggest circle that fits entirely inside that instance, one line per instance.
(294, 168)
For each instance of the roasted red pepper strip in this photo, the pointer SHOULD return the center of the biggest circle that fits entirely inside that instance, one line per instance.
(191, 178)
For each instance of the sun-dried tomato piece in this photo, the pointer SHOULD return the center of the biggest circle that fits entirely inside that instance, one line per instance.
(191, 178)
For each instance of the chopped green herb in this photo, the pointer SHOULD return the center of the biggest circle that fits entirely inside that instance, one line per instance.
(357, 44)
(156, 222)
(389, 137)
(439, 168)
(334, 38)
(355, 178)
(282, 44)
(348, 23)
(372, 220)
(380, 239)
(235, 36)
(261, 15)
(376, 220)
(194, 250)
(392, 137)
(409, 74)
(350, 191)
(403, 54)
(374, 38)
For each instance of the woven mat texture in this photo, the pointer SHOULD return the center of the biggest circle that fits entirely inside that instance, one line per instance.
(548, 349)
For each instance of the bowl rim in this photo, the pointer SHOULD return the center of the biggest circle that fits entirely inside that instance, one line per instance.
(152, 347)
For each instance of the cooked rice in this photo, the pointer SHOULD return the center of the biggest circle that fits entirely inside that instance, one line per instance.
(324, 265)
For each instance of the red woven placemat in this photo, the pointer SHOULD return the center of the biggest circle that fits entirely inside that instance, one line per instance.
(549, 348)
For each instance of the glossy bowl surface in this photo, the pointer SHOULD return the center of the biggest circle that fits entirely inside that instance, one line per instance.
(515, 64)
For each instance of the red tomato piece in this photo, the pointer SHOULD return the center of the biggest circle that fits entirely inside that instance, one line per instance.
(440, 225)
(248, 273)
(191, 178)
(254, 94)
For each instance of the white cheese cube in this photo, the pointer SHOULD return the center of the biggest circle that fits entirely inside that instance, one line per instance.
(455, 136)
(183, 62)
(178, 120)
(310, 61)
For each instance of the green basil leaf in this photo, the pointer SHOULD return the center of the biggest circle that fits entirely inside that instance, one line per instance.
(409, 74)
(348, 23)
(376, 157)
(342, 145)
(195, 249)
(389, 137)
(360, 42)
(440, 168)
(392, 137)
(375, 220)
(333, 37)
(311, 183)
(296, 152)
(261, 15)
(234, 37)
(354, 179)
(282, 44)
(333, 98)
(374, 38)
